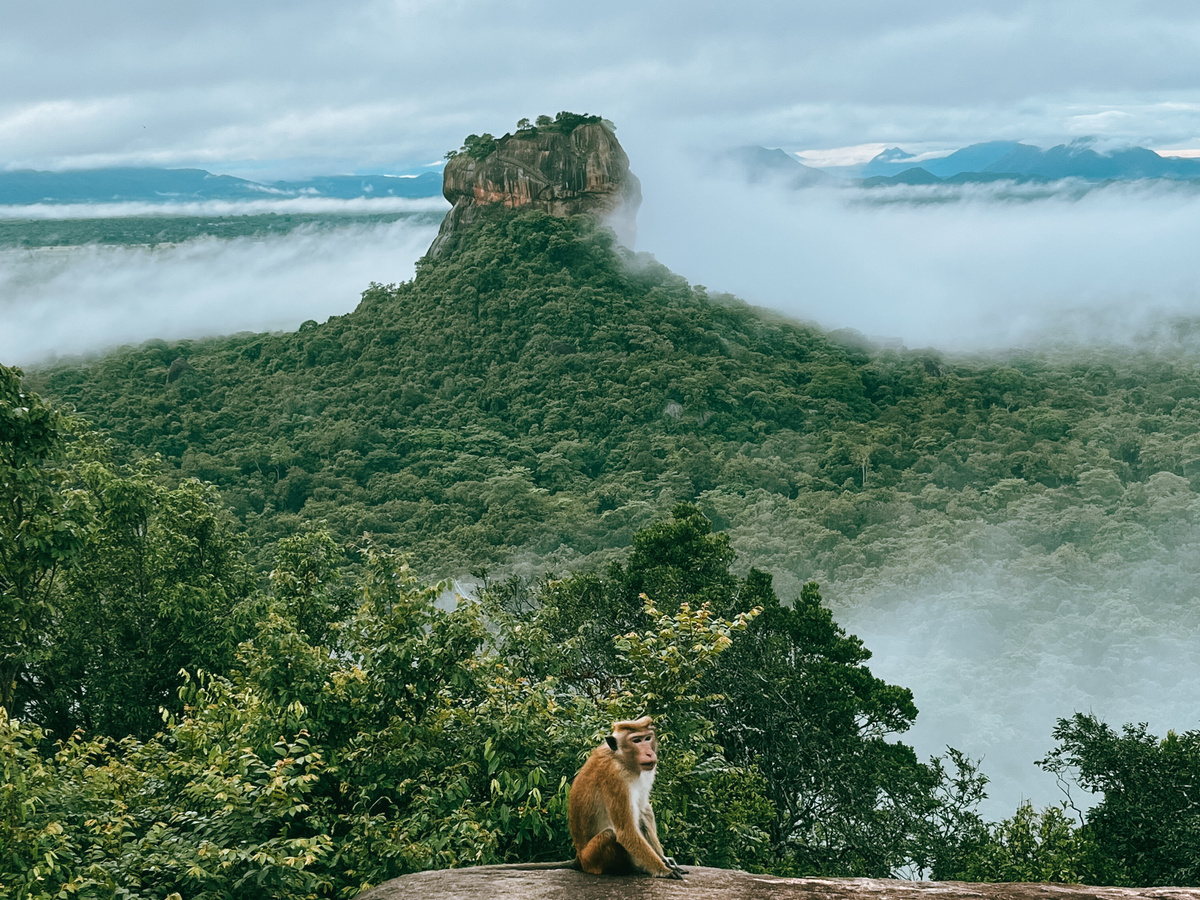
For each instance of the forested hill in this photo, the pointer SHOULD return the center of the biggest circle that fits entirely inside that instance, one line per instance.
(535, 388)
(539, 393)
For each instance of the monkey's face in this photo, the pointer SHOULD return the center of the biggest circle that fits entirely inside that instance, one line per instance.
(645, 748)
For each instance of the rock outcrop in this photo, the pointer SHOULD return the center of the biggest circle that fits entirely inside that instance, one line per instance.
(500, 883)
(561, 171)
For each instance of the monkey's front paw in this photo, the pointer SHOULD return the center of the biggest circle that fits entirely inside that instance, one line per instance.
(674, 866)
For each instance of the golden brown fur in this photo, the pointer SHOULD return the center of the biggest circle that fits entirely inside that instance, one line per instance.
(612, 823)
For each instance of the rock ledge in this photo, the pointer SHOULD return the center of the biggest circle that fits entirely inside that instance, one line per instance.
(500, 883)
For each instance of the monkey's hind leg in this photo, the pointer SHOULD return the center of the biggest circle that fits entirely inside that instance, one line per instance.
(604, 855)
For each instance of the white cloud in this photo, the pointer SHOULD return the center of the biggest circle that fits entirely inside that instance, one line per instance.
(316, 84)
(79, 300)
(973, 271)
(841, 156)
(303, 204)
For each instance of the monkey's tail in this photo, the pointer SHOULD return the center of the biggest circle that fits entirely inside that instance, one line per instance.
(535, 866)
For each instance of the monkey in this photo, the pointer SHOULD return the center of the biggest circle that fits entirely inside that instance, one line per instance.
(612, 823)
(611, 820)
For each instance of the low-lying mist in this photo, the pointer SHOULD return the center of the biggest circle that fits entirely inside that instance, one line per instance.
(959, 269)
(280, 206)
(80, 300)
(995, 657)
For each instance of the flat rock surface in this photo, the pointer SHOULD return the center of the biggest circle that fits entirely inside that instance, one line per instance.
(703, 883)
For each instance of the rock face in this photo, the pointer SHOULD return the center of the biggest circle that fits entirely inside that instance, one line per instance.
(499, 883)
(580, 171)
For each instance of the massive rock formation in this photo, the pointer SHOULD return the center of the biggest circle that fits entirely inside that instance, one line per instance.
(499, 883)
(562, 171)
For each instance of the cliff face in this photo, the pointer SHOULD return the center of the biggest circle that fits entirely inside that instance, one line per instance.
(564, 174)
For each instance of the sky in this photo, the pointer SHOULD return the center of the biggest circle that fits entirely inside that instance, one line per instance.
(284, 89)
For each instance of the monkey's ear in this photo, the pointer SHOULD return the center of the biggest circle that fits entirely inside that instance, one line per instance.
(612, 743)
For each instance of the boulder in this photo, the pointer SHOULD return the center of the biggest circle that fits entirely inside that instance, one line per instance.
(582, 170)
(701, 883)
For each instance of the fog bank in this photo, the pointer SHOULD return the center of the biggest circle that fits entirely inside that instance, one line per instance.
(79, 300)
(994, 660)
(330, 205)
(974, 273)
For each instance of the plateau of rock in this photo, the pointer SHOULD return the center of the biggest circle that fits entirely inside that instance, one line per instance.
(561, 171)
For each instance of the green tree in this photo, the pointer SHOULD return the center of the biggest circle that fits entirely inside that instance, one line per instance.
(306, 772)
(1031, 846)
(1146, 827)
(307, 581)
(160, 585)
(799, 702)
(43, 526)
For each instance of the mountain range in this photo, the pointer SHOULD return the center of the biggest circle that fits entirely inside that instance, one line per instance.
(979, 163)
(26, 186)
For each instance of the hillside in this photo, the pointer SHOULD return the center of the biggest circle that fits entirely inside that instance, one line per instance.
(534, 389)
(173, 229)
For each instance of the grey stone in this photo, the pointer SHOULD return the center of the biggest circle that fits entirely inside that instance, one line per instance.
(503, 883)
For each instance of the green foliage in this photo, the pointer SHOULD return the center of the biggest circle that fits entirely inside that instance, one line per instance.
(478, 146)
(1032, 847)
(307, 582)
(481, 146)
(159, 586)
(709, 810)
(43, 524)
(32, 851)
(197, 813)
(509, 397)
(537, 397)
(306, 772)
(1028, 847)
(1146, 827)
(798, 700)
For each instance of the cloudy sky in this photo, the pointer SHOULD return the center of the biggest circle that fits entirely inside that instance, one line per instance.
(273, 88)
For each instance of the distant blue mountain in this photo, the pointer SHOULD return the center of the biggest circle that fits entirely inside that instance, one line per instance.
(975, 158)
(915, 175)
(1080, 161)
(892, 161)
(1000, 160)
(27, 186)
